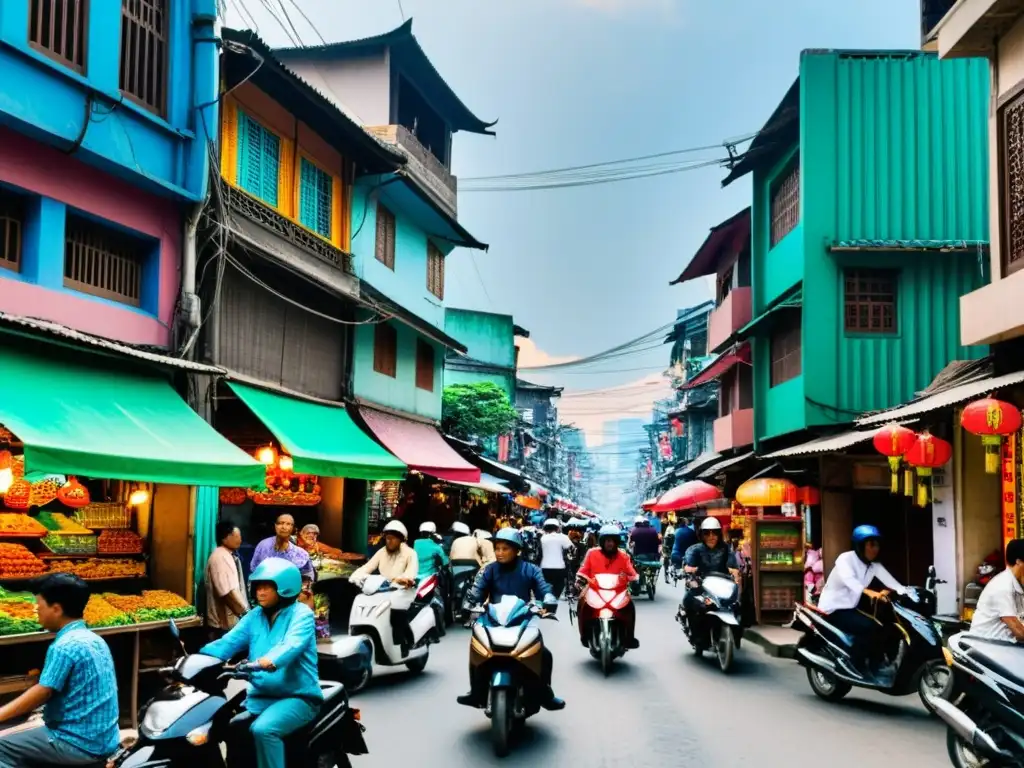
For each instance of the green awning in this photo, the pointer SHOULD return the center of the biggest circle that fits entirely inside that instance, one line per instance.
(105, 422)
(794, 300)
(322, 439)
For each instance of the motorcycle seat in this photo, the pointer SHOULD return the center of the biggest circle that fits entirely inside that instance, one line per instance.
(1003, 658)
(821, 620)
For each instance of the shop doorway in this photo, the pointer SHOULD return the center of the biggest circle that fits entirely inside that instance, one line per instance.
(908, 547)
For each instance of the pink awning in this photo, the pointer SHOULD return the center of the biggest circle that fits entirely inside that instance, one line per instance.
(720, 365)
(420, 446)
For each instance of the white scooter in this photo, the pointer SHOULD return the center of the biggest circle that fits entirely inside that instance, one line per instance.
(370, 627)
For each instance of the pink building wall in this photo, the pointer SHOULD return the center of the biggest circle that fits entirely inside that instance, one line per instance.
(47, 172)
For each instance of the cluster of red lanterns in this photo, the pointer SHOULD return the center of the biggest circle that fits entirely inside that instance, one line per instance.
(922, 452)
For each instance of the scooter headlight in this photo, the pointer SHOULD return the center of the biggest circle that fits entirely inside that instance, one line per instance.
(197, 737)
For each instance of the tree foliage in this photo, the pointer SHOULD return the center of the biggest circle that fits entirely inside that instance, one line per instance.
(476, 411)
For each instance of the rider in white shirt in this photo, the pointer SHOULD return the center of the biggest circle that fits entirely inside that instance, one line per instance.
(553, 546)
(1001, 605)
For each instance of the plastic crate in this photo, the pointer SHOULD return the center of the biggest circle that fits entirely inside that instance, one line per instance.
(110, 514)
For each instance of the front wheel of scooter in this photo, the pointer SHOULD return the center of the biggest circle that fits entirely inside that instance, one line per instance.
(501, 721)
(725, 647)
(826, 686)
(418, 664)
(606, 657)
(360, 680)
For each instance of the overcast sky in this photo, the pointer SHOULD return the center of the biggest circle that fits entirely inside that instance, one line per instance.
(581, 81)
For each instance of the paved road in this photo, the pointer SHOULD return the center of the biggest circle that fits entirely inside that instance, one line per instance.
(678, 708)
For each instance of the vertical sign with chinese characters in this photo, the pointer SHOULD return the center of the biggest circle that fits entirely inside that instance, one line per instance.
(1009, 488)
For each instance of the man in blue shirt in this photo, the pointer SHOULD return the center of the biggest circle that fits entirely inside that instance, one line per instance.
(280, 637)
(77, 686)
(686, 537)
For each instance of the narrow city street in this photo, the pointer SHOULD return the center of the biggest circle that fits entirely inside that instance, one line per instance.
(661, 706)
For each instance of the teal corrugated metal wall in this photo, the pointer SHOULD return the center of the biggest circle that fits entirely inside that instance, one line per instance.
(911, 146)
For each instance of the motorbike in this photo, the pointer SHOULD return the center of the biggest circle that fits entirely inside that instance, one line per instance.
(506, 657)
(372, 628)
(988, 726)
(601, 628)
(717, 624)
(649, 570)
(463, 574)
(190, 720)
(913, 645)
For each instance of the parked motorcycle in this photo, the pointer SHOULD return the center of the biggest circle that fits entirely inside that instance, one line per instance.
(716, 623)
(464, 572)
(602, 628)
(506, 658)
(190, 720)
(370, 624)
(989, 725)
(913, 645)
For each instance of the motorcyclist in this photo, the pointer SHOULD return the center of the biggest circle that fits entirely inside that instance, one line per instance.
(686, 537)
(668, 538)
(429, 553)
(398, 563)
(848, 582)
(510, 574)
(644, 541)
(284, 693)
(608, 558)
(486, 546)
(710, 555)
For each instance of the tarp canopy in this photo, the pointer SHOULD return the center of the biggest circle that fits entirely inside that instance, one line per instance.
(420, 446)
(79, 416)
(487, 483)
(321, 439)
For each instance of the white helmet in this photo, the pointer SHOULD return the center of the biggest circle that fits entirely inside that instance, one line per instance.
(428, 527)
(460, 528)
(552, 524)
(396, 526)
(640, 520)
(710, 524)
(480, 533)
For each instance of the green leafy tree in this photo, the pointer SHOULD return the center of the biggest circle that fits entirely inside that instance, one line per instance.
(476, 411)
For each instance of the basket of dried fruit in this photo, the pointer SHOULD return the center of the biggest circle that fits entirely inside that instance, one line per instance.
(70, 544)
(18, 525)
(16, 562)
(100, 613)
(107, 514)
(62, 525)
(18, 617)
(152, 605)
(97, 569)
(45, 491)
(119, 542)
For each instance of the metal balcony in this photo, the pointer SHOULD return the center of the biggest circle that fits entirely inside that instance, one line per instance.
(423, 166)
(728, 317)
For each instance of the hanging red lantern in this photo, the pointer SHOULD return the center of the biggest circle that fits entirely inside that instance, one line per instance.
(992, 419)
(893, 441)
(73, 494)
(927, 453)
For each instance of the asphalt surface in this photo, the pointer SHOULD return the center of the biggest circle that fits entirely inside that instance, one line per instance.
(661, 706)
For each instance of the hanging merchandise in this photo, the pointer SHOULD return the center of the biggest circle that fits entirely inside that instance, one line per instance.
(927, 453)
(766, 492)
(73, 494)
(677, 427)
(993, 420)
(665, 445)
(19, 495)
(893, 441)
(233, 496)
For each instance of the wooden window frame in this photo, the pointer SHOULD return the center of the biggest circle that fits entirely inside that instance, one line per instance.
(1010, 105)
(161, 59)
(425, 361)
(869, 295)
(385, 350)
(384, 247)
(12, 226)
(784, 190)
(435, 271)
(116, 257)
(785, 348)
(81, 33)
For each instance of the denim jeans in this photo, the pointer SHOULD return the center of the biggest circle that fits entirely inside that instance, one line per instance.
(39, 746)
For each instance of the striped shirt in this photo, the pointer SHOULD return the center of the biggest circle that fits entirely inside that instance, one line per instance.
(83, 708)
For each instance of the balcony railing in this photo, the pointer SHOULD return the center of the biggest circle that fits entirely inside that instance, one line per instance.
(734, 430)
(423, 166)
(728, 317)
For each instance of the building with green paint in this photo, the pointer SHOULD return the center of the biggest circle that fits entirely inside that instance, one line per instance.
(491, 351)
(869, 221)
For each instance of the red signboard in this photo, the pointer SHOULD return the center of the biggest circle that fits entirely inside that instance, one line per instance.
(1009, 488)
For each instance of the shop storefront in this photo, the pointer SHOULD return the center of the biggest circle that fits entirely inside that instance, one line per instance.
(103, 472)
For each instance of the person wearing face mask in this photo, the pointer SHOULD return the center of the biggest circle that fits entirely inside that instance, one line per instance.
(851, 576)
(279, 637)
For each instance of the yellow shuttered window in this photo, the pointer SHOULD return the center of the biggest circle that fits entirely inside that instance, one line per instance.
(229, 141)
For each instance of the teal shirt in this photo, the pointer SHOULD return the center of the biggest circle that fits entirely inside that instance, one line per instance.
(431, 557)
(290, 644)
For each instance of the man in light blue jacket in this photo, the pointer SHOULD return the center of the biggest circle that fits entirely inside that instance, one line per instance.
(284, 693)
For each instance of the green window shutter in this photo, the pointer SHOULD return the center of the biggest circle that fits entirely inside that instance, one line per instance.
(316, 189)
(259, 159)
(271, 166)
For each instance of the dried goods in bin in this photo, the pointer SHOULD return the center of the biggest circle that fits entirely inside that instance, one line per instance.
(97, 568)
(100, 613)
(57, 523)
(18, 617)
(119, 542)
(19, 525)
(70, 544)
(152, 605)
(16, 562)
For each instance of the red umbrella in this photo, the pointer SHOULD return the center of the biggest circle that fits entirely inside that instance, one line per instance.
(686, 496)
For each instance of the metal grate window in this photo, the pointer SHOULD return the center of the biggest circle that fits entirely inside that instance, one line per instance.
(785, 344)
(435, 271)
(870, 300)
(103, 262)
(424, 366)
(385, 350)
(259, 160)
(385, 237)
(785, 197)
(316, 192)
(1011, 170)
(144, 52)
(57, 28)
(12, 214)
